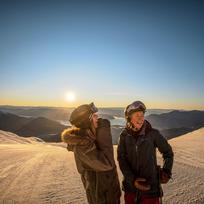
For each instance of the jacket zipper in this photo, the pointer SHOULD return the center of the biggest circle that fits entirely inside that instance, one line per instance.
(137, 155)
(136, 147)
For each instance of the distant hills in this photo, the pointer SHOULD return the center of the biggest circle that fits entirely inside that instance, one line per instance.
(63, 113)
(53, 113)
(44, 128)
(170, 124)
(177, 119)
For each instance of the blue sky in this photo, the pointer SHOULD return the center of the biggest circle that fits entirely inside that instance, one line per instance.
(108, 52)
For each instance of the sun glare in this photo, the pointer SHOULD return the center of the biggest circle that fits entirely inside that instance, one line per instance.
(70, 96)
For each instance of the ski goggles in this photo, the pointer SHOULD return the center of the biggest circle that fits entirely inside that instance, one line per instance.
(93, 109)
(137, 105)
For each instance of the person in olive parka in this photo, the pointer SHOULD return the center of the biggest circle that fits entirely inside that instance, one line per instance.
(137, 158)
(90, 140)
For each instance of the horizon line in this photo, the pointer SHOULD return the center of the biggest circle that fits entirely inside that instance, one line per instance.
(41, 106)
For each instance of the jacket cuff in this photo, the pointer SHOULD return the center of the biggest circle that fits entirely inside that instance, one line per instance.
(167, 171)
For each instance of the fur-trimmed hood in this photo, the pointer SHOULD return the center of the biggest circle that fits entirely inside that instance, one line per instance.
(74, 136)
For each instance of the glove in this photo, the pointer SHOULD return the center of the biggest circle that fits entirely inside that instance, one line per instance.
(164, 176)
(103, 123)
(141, 184)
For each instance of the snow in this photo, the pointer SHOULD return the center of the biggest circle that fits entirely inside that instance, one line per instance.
(37, 172)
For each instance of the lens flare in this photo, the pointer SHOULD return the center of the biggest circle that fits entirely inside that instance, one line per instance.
(70, 96)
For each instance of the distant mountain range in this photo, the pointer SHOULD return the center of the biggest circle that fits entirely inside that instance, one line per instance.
(53, 113)
(44, 128)
(177, 119)
(63, 113)
(171, 124)
(177, 123)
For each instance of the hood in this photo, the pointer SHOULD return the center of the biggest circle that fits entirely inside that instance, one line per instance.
(74, 137)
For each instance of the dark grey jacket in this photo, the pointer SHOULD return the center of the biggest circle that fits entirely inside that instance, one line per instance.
(137, 158)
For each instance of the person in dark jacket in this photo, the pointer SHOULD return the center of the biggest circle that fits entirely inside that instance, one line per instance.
(90, 140)
(137, 158)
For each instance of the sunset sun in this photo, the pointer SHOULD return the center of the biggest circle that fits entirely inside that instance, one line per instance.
(70, 96)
